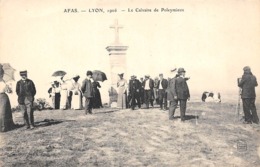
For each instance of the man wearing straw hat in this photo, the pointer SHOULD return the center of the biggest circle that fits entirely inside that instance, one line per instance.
(25, 89)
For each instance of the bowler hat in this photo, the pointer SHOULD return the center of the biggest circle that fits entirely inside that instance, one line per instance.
(247, 68)
(89, 73)
(180, 70)
(121, 74)
(161, 74)
(23, 73)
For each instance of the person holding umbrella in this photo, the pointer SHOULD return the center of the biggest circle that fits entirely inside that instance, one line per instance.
(87, 90)
(26, 91)
(6, 118)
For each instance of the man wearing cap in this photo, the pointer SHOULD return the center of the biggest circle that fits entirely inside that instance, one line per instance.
(182, 91)
(25, 89)
(148, 85)
(134, 89)
(87, 91)
(162, 86)
(248, 83)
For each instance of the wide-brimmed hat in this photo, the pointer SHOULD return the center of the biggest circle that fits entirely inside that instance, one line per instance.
(55, 82)
(76, 77)
(24, 72)
(147, 76)
(180, 70)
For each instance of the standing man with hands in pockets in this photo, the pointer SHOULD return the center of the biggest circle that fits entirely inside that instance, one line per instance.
(178, 91)
(88, 93)
(25, 89)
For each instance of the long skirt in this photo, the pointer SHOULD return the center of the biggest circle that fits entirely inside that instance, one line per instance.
(121, 99)
(63, 99)
(6, 118)
(57, 101)
(97, 103)
(76, 103)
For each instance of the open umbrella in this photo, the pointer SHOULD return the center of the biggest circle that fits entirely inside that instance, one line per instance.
(99, 76)
(59, 73)
(8, 72)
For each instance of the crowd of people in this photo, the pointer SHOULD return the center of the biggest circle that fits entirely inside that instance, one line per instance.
(167, 93)
(159, 91)
(68, 94)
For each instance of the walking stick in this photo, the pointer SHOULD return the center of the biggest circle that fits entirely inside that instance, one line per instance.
(238, 104)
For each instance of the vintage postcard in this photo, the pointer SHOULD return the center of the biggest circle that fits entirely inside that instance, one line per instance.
(130, 83)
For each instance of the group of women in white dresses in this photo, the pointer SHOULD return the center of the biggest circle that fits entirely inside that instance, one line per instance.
(69, 92)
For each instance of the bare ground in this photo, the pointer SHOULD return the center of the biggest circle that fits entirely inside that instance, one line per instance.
(141, 137)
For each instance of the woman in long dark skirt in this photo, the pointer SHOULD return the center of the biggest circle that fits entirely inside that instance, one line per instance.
(97, 103)
(6, 118)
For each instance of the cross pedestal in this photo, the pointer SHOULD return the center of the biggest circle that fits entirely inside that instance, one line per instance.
(117, 56)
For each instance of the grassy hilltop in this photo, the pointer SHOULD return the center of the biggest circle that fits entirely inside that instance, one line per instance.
(141, 137)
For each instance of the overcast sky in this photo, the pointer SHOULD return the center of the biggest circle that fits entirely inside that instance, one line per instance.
(212, 40)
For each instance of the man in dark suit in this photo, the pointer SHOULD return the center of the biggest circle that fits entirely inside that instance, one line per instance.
(87, 90)
(182, 91)
(162, 86)
(148, 85)
(248, 83)
(172, 94)
(134, 90)
(25, 89)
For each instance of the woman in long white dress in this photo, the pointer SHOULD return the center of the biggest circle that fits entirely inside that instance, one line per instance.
(63, 94)
(122, 88)
(76, 103)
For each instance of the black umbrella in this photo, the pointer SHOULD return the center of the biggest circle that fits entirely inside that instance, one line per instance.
(59, 73)
(99, 76)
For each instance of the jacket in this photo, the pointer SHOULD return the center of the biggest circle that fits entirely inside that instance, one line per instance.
(164, 84)
(134, 86)
(248, 84)
(151, 83)
(171, 90)
(25, 88)
(182, 89)
(87, 88)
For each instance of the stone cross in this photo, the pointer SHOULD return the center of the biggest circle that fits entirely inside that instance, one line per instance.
(116, 27)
